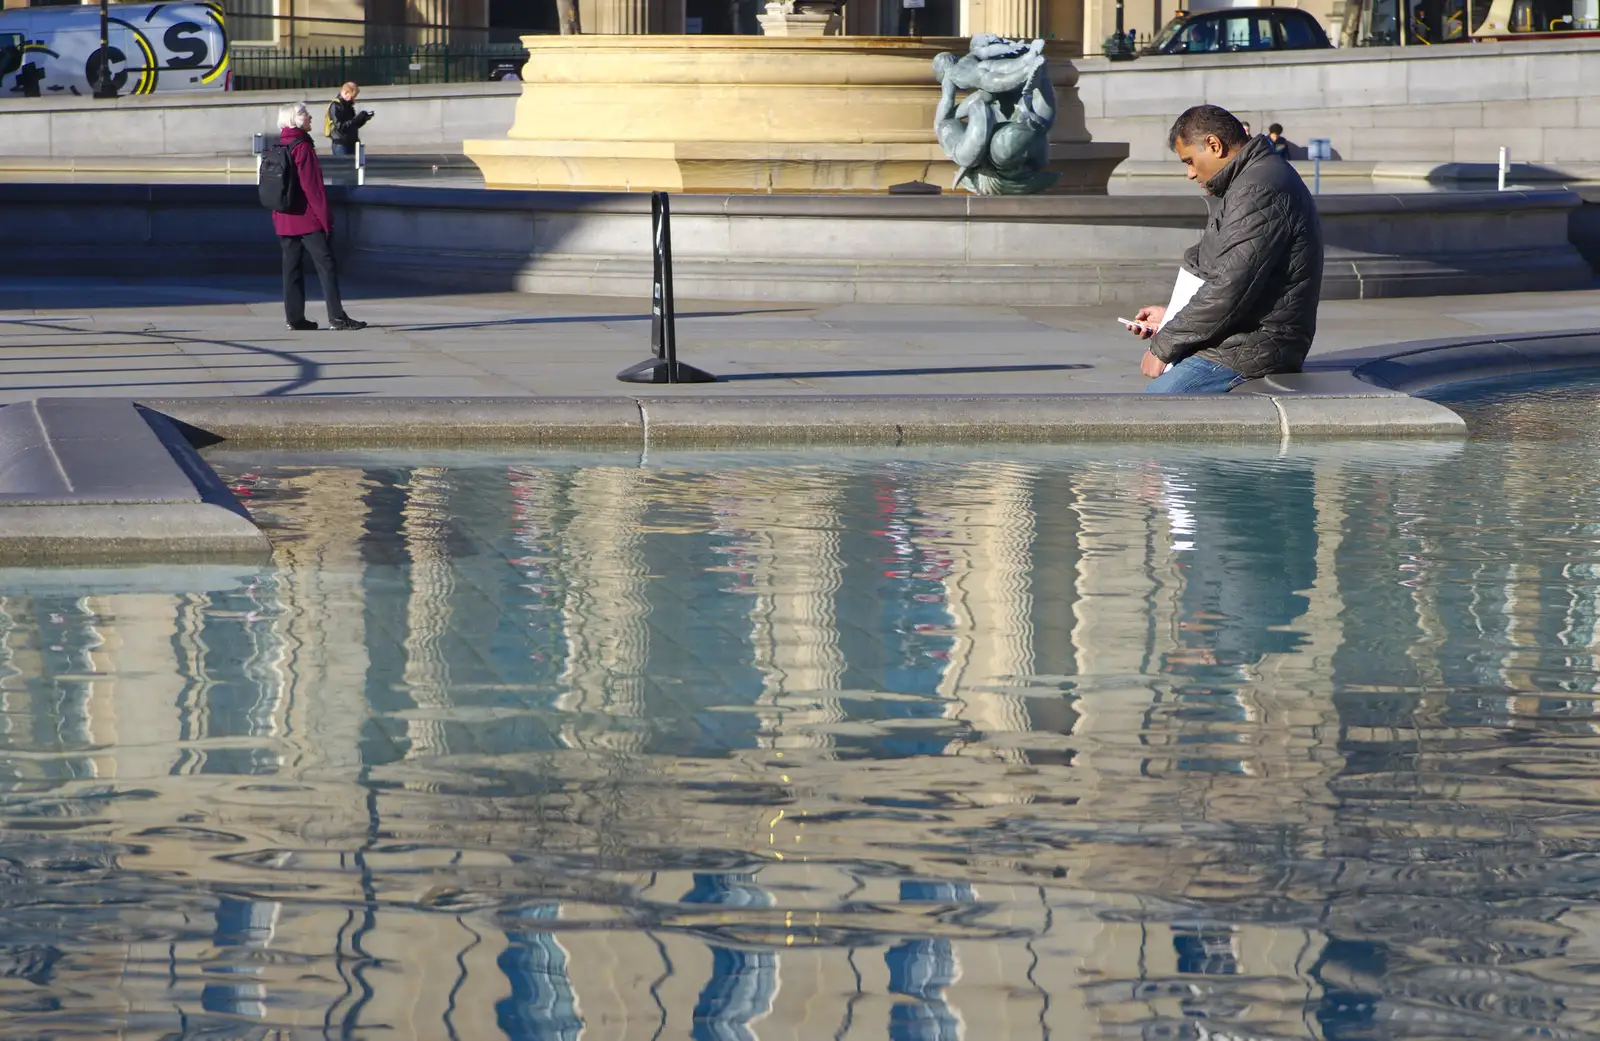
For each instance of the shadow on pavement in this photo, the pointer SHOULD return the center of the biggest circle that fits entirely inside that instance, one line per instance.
(948, 370)
(307, 371)
(560, 318)
(88, 292)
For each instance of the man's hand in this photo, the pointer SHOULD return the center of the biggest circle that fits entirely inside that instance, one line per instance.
(1151, 366)
(1151, 318)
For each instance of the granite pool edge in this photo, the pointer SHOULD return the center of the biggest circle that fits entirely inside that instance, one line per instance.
(670, 421)
(86, 480)
(1415, 367)
(1368, 392)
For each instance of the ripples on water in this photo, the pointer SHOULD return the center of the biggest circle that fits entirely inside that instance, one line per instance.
(1122, 742)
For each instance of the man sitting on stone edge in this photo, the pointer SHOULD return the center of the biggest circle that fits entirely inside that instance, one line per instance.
(1260, 259)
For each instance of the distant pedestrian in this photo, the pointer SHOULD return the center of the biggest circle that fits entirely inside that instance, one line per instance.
(344, 123)
(1279, 145)
(307, 227)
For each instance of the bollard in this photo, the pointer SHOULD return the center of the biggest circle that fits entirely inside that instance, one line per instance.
(258, 145)
(1505, 165)
(1318, 149)
(361, 163)
(663, 366)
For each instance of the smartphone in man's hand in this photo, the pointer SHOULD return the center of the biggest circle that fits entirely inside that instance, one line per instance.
(1139, 329)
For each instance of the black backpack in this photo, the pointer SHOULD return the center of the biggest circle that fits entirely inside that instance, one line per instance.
(280, 181)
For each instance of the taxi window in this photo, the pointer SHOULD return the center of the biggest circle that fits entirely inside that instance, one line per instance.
(1252, 32)
(1297, 34)
(1202, 37)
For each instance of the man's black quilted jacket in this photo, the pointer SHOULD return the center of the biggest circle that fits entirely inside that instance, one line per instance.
(1261, 259)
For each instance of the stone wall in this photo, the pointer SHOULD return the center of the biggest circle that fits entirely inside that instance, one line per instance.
(429, 118)
(827, 249)
(1411, 104)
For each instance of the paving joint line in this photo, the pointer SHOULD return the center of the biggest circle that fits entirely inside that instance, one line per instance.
(1283, 423)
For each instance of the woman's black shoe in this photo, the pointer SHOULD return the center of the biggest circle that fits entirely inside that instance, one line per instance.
(304, 325)
(347, 324)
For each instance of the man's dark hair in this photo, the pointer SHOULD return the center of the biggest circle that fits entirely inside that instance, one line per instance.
(1197, 123)
(1276, 128)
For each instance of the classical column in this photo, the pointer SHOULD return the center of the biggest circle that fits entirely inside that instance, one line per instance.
(631, 17)
(1097, 25)
(622, 17)
(1018, 19)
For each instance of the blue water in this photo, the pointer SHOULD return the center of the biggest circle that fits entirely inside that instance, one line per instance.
(1097, 742)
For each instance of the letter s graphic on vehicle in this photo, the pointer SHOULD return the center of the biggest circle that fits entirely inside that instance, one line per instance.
(188, 47)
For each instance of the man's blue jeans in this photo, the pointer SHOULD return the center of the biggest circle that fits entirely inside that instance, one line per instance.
(339, 149)
(1195, 375)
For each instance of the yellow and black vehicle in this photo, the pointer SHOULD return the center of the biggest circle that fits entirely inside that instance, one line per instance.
(51, 51)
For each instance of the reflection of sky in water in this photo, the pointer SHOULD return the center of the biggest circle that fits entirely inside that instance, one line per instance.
(1089, 742)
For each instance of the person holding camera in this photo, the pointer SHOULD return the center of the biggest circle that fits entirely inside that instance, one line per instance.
(344, 123)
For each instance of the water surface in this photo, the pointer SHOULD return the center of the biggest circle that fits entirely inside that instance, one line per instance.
(1114, 742)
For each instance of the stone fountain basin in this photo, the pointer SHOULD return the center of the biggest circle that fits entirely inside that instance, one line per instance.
(751, 114)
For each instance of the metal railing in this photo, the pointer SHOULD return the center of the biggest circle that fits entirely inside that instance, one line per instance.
(312, 68)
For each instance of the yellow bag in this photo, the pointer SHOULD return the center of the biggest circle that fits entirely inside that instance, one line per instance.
(327, 123)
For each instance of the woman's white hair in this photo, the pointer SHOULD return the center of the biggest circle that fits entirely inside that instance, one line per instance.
(290, 115)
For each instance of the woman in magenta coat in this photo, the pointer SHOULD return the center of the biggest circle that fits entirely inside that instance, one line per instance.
(307, 228)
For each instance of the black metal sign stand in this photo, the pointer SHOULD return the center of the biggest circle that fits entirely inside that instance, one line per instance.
(664, 367)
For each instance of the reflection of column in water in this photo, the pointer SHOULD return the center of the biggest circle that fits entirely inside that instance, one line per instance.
(606, 614)
(985, 513)
(44, 708)
(14, 700)
(924, 969)
(1291, 694)
(426, 533)
(61, 666)
(134, 722)
(194, 702)
(242, 927)
(743, 982)
(795, 572)
(738, 995)
(1127, 610)
(314, 620)
(543, 1002)
(231, 691)
(1423, 582)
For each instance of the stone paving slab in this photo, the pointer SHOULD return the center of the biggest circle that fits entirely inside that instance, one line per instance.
(225, 338)
(84, 479)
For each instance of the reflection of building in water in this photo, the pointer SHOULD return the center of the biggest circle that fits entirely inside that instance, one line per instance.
(1466, 672)
(379, 689)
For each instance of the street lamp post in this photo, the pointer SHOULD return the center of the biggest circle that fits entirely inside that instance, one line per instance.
(102, 82)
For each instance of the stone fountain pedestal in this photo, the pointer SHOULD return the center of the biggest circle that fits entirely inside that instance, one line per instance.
(801, 18)
(738, 114)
